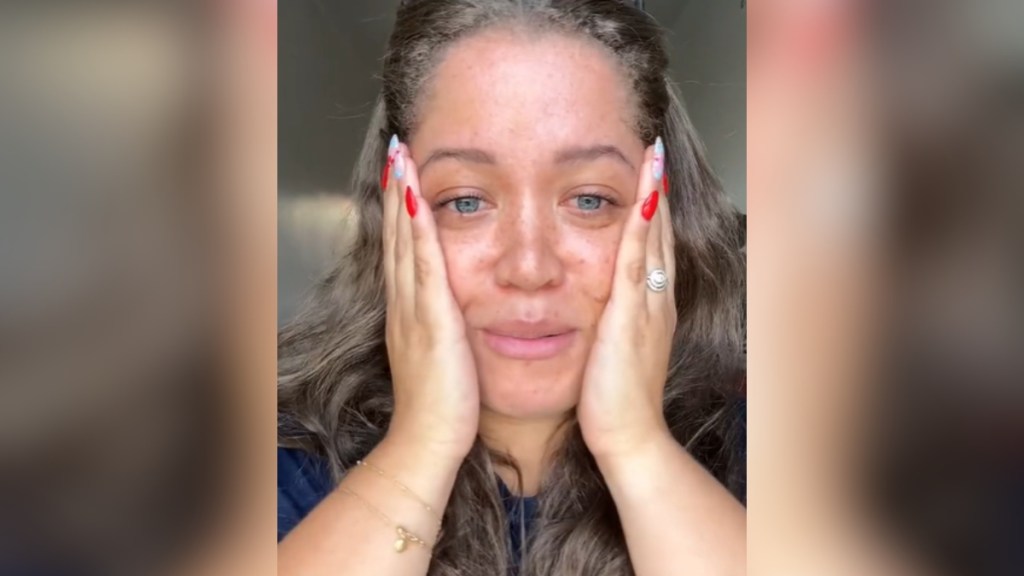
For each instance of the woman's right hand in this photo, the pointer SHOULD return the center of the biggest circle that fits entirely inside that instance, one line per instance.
(437, 400)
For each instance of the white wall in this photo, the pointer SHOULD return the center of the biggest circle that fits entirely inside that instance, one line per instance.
(708, 52)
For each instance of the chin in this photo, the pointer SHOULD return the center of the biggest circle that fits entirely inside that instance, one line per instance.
(521, 390)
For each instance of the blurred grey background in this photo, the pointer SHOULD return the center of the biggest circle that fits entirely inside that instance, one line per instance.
(329, 60)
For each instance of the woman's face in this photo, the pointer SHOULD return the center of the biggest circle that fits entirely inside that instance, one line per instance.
(526, 154)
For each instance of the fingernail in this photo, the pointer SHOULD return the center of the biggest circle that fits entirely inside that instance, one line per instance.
(399, 164)
(410, 202)
(384, 174)
(664, 182)
(658, 164)
(650, 205)
(393, 145)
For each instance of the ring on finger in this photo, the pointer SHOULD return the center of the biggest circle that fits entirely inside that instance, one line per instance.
(657, 280)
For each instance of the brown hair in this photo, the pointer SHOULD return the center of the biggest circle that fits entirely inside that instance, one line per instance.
(335, 398)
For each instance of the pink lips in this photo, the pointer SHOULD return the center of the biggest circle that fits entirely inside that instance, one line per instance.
(529, 341)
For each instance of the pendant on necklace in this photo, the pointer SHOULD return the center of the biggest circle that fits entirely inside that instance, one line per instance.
(401, 542)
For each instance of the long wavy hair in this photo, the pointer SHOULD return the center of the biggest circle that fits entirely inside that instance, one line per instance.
(334, 389)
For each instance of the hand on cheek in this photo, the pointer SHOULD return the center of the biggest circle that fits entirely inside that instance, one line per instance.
(624, 380)
(433, 374)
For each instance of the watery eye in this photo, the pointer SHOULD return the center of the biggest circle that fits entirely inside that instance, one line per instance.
(589, 203)
(466, 205)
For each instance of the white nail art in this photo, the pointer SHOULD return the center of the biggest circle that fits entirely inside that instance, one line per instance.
(399, 164)
(658, 163)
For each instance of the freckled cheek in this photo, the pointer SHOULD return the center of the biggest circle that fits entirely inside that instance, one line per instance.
(594, 261)
(466, 261)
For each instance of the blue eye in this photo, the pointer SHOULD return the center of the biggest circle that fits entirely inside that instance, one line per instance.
(466, 204)
(589, 202)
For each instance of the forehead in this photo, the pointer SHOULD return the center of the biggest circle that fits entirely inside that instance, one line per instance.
(541, 90)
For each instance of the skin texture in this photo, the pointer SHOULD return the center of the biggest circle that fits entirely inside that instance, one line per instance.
(533, 248)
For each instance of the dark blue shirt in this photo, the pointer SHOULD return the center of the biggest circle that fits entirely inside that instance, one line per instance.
(304, 480)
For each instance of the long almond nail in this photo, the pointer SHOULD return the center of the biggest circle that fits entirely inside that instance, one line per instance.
(650, 206)
(658, 163)
(410, 202)
(399, 164)
(384, 174)
(664, 182)
(392, 145)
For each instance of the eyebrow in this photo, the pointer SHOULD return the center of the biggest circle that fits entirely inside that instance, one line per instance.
(473, 155)
(591, 153)
(565, 156)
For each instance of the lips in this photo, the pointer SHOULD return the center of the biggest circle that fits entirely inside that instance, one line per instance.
(529, 340)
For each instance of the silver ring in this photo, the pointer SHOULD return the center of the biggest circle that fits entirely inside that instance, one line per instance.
(657, 280)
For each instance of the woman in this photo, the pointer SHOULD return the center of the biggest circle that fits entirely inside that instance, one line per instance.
(496, 378)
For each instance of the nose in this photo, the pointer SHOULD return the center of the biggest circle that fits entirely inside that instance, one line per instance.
(529, 261)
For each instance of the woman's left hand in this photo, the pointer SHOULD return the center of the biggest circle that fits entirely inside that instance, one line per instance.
(620, 406)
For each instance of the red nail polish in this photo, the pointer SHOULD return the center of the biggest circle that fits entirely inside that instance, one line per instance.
(410, 202)
(664, 182)
(385, 173)
(650, 205)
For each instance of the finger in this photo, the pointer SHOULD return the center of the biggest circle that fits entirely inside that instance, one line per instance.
(433, 296)
(661, 247)
(388, 219)
(655, 257)
(422, 267)
(668, 247)
(404, 270)
(631, 261)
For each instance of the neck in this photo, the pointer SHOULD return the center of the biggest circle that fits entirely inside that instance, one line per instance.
(529, 442)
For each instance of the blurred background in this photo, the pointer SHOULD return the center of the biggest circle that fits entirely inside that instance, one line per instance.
(330, 56)
(137, 152)
(141, 211)
(886, 380)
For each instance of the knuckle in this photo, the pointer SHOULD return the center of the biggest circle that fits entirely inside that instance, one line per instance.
(401, 249)
(423, 272)
(636, 270)
(424, 338)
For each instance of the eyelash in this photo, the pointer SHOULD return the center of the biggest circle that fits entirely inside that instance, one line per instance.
(453, 200)
(606, 199)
